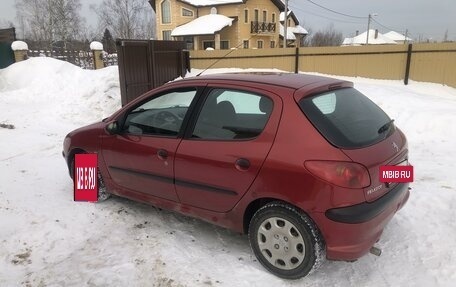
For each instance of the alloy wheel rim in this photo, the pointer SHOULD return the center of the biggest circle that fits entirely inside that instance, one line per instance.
(281, 243)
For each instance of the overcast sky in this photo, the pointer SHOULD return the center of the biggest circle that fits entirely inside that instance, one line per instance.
(426, 19)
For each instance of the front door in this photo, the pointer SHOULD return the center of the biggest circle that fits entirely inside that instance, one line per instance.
(218, 160)
(141, 157)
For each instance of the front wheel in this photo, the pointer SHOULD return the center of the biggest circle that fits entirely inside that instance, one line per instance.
(286, 241)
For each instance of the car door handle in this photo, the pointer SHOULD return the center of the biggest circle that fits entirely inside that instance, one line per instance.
(162, 154)
(242, 164)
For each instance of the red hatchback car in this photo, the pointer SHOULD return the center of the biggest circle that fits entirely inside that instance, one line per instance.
(293, 160)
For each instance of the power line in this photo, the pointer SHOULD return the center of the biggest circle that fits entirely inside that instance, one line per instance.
(340, 13)
(386, 27)
(325, 17)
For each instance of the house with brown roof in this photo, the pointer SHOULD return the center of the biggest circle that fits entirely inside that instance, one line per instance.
(219, 24)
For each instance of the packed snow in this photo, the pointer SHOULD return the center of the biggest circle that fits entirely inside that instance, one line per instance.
(95, 45)
(19, 46)
(49, 240)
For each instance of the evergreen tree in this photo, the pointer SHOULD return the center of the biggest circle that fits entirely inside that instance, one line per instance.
(109, 45)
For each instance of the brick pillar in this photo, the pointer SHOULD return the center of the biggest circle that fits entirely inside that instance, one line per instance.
(20, 49)
(97, 50)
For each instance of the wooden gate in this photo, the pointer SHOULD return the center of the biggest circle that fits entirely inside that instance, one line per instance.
(147, 64)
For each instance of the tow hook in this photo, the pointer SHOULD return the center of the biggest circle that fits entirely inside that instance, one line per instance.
(376, 251)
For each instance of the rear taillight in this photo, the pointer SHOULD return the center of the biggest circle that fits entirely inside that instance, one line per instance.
(340, 173)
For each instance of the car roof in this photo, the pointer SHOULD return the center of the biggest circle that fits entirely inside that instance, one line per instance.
(289, 80)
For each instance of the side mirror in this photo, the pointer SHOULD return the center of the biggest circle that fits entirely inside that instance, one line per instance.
(112, 128)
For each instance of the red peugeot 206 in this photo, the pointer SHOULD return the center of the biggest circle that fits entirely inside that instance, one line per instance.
(293, 160)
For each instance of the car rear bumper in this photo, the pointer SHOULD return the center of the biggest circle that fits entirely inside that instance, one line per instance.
(351, 231)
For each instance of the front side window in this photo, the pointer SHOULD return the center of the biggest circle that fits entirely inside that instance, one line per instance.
(162, 115)
(246, 16)
(246, 44)
(166, 12)
(232, 115)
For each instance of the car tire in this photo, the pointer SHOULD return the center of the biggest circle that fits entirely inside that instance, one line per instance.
(103, 194)
(286, 241)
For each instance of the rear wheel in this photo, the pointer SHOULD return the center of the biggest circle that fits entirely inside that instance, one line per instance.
(103, 194)
(286, 241)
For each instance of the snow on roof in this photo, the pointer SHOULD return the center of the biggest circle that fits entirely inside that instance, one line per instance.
(282, 15)
(19, 46)
(298, 29)
(211, 2)
(361, 39)
(290, 34)
(393, 35)
(204, 25)
(292, 31)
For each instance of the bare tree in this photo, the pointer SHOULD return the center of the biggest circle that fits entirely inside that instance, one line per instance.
(50, 21)
(328, 37)
(126, 18)
(6, 24)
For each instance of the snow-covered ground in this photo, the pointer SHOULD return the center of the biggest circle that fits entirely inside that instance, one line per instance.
(46, 239)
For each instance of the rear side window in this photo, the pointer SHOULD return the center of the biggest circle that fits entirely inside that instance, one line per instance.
(347, 118)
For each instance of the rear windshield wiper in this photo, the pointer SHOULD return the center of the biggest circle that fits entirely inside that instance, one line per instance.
(385, 127)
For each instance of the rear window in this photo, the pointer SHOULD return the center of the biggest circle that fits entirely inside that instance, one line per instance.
(347, 118)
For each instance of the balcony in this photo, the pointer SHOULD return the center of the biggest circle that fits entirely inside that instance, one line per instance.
(262, 27)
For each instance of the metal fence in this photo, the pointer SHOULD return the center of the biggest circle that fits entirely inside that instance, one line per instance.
(434, 63)
(7, 36)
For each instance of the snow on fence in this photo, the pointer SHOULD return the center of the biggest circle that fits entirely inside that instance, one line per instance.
(81, 58)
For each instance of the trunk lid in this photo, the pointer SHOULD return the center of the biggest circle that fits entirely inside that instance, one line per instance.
(391, 151)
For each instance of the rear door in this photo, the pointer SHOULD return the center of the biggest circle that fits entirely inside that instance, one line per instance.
(222, 154)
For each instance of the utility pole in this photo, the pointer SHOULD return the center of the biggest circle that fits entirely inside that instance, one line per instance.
(368, 26)
(285, 25)
(405, 39)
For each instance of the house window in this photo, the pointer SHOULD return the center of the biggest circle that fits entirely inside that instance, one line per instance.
(166, 12)
(166, 34)
(265, 16)
(246, 16)
(289, 22)
(187, 12)
(224, 45)
(208, 44)
(256, 15)
(189, 42)
(272, 44)
(246, 44)
(273, 18)
(260, 44)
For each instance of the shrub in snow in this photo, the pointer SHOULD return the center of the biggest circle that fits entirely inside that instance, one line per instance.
(19, 46)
